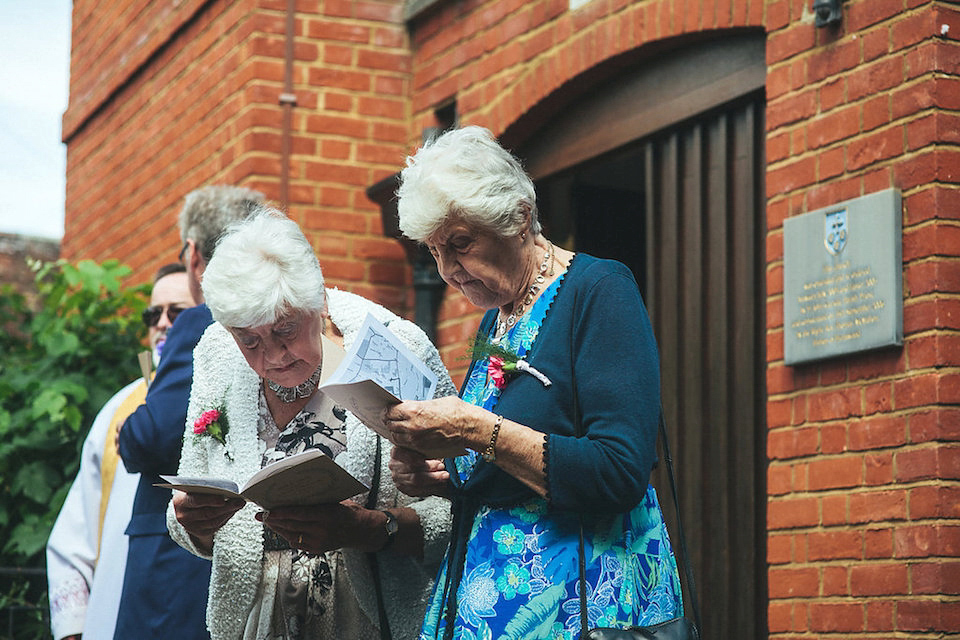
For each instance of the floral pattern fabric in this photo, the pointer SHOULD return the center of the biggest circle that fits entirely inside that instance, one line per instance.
(308, 593)
(521, 577)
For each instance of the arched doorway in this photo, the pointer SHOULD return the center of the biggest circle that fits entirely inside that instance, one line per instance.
(657, 160)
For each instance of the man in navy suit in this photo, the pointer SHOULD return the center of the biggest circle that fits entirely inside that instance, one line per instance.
(165, 587)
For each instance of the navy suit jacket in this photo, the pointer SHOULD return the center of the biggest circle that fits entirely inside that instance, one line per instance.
(165, 587)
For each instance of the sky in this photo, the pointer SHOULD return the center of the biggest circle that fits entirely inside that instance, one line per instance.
(34, 76)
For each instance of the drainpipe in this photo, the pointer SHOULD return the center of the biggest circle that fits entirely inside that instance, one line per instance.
(288, 100)
(428, 286)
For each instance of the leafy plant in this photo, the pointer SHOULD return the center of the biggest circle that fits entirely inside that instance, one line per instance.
(23, 603)
(59, 362)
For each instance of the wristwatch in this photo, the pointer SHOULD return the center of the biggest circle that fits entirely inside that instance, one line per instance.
(391, 526)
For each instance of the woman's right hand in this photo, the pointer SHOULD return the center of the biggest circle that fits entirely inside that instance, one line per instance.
(418, 476)
(202, 515)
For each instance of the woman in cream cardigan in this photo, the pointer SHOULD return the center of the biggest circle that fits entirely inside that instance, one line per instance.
(297, 573)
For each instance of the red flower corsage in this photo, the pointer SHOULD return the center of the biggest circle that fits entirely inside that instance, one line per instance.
(213, 423)
(502, 363)
(495, 369)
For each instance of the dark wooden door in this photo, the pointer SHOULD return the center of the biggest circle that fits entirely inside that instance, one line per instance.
(705, 292)
(683, 206)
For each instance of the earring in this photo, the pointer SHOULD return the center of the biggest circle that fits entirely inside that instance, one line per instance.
(523, 236)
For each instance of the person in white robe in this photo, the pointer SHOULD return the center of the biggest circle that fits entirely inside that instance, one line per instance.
(87, 548)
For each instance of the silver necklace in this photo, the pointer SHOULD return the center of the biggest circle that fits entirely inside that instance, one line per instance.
(302, 390)
(506, 324)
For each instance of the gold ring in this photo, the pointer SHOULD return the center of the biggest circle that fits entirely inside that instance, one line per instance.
(300, 540)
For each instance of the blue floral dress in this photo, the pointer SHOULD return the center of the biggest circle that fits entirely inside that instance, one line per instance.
(521, 578)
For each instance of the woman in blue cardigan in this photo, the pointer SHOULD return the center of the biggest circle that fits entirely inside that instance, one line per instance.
(565, 348)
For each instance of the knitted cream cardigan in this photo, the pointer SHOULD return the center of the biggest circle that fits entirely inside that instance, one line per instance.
(222, 378)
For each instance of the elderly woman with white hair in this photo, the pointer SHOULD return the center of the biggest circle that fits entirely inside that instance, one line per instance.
(297, 572)
(558, 414)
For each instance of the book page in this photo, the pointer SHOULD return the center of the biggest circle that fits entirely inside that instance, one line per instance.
(307, 478)
(365, 399)
(303, 479)
(378, 355)
(377, 372)
(210, 486)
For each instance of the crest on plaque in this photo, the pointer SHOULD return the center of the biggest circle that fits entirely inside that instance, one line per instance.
(835, 231)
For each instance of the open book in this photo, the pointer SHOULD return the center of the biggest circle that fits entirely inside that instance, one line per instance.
(377, 372)
(303, 479)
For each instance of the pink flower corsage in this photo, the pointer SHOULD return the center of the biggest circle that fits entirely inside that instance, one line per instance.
(495, 369)
(501, 363)
(213, 423)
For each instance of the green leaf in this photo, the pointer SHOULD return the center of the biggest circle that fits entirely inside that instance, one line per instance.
(59, 343)
(73, 417)
(37, 481)
(29, 537)
(49, 403)
(70, 387)
(535, 619)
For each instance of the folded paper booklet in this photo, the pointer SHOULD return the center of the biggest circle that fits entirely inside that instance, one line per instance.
(303, 479)
(377, 372)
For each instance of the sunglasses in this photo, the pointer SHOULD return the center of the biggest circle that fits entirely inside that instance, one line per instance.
(151, 315)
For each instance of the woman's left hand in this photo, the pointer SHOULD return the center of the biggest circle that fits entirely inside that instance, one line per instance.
(438, 428)
(417, 476)
(325, 527)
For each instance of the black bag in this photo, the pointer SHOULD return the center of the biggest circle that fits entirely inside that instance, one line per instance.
(674, 629)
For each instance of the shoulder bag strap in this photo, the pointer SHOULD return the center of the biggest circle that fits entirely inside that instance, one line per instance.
(687, 568)
(372, 556)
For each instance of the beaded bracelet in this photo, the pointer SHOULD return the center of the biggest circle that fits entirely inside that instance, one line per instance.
(489, 454)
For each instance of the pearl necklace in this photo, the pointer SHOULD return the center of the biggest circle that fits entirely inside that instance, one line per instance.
(302, 390)
(506, 324)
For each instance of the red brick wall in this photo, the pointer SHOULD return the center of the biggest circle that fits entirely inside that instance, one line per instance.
(157, 131)
(864, 507)
(355, 134)
(159, 110)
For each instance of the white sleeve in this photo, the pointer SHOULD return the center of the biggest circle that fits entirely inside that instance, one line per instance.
(72, 546)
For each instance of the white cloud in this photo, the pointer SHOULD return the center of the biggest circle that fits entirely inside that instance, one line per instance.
(34, 75)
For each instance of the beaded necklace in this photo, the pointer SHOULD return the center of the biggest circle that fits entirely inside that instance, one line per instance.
(302, 390)
(504, 325)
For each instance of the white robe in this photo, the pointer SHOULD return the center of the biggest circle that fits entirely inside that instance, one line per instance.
(84, 590)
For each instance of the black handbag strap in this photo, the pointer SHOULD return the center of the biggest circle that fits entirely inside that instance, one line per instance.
(688, 570)
(372, 556)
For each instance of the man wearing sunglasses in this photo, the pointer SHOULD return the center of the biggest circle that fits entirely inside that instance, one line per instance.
(164, 595)
(87, 549)
(171, 295)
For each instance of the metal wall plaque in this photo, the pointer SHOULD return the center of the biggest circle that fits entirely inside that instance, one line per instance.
(843, 278)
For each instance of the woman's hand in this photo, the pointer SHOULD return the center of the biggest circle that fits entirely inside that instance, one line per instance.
(318, 528)
(202, 515)
(325, 527)
(436, 428)
(418, 476)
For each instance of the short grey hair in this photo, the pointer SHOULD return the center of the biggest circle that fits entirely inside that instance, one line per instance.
(263, 269)
(465, 174)
(207, 211)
